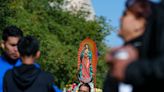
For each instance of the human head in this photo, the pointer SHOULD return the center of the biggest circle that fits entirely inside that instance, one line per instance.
(134, 19)
(10, 37)
(84, 88)
(29, 47)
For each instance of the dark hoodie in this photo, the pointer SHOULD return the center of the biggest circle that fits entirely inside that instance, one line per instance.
(27, 78)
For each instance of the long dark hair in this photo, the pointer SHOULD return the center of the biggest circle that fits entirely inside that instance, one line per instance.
(140, 8)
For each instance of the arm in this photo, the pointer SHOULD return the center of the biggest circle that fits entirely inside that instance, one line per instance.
(52, 87)
(5, 83)
(56, 88)
(144, 71)
(4, 87)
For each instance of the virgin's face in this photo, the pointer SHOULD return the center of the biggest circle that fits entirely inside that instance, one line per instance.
(86, 46)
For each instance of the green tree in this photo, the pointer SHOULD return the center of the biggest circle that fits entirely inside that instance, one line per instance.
(60, 33)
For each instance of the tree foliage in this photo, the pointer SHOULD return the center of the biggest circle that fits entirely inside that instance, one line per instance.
(60, 33)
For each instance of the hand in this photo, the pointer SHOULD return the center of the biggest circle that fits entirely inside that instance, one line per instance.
(109, 54)
(119, 65)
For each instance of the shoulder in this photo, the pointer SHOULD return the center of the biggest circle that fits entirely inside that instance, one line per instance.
(1, 59)
(8, 74)
(9, 71)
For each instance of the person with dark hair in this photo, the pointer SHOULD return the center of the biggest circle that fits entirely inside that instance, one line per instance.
(134, 19)
(27, 77)
(84, 88)
(133, 23)
(145, 73)
(10, 54)
(11, 31)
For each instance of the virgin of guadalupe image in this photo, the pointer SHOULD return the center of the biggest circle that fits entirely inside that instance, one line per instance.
(85, 72)
(87, 64)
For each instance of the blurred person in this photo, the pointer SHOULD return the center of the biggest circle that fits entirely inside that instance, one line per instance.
(146, 72)
(133, 22)
(10, 54)
(132, 28)
(28, 77)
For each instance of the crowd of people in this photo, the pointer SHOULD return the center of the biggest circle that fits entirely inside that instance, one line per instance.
(19, 72)
(139, 63)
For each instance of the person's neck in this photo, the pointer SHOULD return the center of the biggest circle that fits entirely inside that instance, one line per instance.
(28, 60)
(128, 38)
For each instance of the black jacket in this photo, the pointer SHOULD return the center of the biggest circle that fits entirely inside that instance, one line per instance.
(111, 84)
(27, 78)
(147, 73)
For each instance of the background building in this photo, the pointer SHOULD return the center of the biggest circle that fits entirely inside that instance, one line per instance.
(84, 5)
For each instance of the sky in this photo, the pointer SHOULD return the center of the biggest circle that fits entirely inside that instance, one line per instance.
(111, 10)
